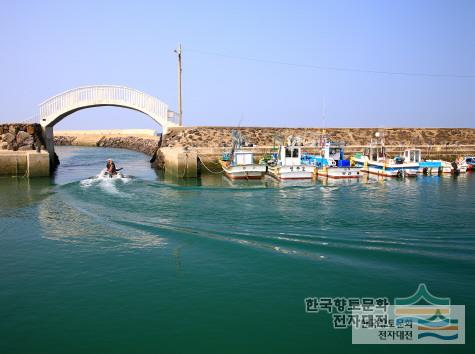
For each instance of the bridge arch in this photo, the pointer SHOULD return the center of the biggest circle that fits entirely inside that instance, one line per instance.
(53, 110)
(56, 108)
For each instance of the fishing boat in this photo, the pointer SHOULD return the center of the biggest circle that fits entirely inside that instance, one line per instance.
(239, 163)
(455, 167)
(331, 162)
(430, 167)
(470, 161)
(286, 164)
(460, 165)
(374, 160)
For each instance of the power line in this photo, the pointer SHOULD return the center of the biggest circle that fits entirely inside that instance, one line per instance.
(334, 68)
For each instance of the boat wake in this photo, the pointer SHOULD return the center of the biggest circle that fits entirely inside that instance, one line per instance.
(105, 181)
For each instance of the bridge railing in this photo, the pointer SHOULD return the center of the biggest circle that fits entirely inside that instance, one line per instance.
(107, 95)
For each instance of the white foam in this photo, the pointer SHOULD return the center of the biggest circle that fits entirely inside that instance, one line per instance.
(105, 182)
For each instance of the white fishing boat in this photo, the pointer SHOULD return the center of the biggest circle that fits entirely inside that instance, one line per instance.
(447, 167)
(287, 164)
(462, 165)
(239, 163)
(333, 163)
(456, 167)
(375, 161)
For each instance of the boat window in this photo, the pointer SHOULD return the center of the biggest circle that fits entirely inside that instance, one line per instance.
(296, 153)
(288, 152)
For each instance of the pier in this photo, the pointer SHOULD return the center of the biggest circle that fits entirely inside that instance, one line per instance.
(189, 151)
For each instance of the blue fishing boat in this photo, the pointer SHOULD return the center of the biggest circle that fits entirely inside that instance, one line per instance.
(430, 167)
(331, 162)
(375, 161)
(470, 162)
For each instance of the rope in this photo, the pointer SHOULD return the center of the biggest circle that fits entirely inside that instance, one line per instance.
(27, 171)
(214, 172)
(186, 166)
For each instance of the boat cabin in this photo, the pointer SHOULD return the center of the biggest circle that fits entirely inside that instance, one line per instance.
(375, 152)
(242, 157)
(412, 155)
(333, 150)
(470, 160)
(290, 155)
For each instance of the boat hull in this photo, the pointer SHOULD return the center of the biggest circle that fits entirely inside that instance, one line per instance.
(244, 175)
(429, 171)
(390, 172)
(253, 171)
(290, 172)
(339, 173)
(387, 169)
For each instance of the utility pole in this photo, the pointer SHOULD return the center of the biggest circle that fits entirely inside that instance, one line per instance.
(178, 51)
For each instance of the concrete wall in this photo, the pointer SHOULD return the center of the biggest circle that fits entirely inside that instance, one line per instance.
(178, 162)
(24, 163)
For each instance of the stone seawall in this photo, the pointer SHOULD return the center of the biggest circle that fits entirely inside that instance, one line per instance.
(20, 137)
(210, 142)
(146, 145)
(197, 137)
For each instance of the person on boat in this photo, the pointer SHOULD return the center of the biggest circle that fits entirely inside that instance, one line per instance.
(111, 169)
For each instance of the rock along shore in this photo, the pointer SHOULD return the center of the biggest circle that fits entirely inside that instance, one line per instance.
(20, 137)
(145, 144)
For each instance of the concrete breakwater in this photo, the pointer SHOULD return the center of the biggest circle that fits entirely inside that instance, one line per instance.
(208, 143)
(208, 137)
(186, 152)
(18, 154)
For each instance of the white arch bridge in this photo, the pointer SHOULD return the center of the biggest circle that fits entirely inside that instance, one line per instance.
(55, 109)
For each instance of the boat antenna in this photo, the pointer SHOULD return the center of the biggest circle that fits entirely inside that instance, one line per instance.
(237, 141)
(240, 120)
(324, 117)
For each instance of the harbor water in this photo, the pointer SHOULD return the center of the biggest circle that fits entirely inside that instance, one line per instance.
(148, 264)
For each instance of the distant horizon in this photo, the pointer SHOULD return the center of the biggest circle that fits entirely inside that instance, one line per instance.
(307, 64)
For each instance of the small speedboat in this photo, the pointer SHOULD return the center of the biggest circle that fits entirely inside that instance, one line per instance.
(105, 174)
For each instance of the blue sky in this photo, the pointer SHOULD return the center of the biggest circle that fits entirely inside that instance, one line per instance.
(47, 47)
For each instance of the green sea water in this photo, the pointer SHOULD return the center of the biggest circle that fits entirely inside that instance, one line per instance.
(148, 264)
